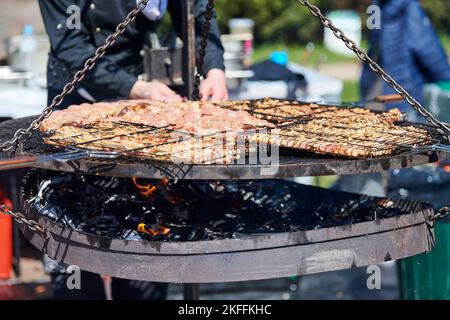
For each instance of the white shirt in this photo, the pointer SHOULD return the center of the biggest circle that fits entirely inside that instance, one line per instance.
(155, 9)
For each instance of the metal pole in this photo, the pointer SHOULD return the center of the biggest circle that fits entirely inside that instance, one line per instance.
(188, 47)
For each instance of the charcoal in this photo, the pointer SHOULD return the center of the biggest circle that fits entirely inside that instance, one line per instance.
(50, 211)
(197, 210)
(193, 234)
(131, 235)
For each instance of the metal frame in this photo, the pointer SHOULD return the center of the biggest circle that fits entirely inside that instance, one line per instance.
(189, 60)
(305, 166)
(253, 257)
(258, 257)
(290, 165)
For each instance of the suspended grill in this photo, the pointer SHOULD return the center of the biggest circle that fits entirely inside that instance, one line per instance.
(337, 131)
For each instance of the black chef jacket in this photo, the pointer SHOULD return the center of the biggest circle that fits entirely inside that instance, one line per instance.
(116, 73)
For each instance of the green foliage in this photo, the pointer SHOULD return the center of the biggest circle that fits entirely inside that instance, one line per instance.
(351, 91)
(445, 39)
(438, 11)
(281, 20)
(289, 22)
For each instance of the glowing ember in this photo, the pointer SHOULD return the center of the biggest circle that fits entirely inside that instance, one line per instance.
(385, 203)
(158, 231)
(146, 191)
(164, 182)
(173, 198)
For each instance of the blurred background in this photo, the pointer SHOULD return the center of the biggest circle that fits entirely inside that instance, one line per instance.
(275, 25)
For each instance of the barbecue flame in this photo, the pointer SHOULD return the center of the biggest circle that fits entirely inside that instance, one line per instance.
(164, 182)
(157, 231)
(146, 191)
(171, 196)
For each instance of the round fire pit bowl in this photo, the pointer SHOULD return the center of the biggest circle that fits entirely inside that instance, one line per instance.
(252, 257)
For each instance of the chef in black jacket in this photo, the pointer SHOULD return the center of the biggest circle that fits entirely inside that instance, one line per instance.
(116, 77)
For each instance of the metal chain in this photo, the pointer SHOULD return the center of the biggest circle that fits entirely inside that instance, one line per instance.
(202, 51)
(20, 218)
(444, 129)
(22, 134)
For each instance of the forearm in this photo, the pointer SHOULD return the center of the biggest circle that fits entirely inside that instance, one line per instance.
(214, 51)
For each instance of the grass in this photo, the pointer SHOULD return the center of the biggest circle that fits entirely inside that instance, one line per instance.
(297, 54)
(325, 182)
(319, 55)
(445, 39)
(351, 91)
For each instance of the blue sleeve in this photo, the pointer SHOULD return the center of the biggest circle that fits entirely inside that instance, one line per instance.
(426, 46)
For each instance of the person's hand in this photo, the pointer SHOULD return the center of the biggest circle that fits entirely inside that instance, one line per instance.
(214, 87)
(153, 90)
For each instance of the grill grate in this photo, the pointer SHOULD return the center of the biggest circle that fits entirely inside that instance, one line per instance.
(339, 140)
(332, 130)
(315, 128)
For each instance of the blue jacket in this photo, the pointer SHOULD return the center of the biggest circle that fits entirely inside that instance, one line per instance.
(408, 48)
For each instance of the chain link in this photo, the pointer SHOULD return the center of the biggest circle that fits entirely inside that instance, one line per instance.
(202, 51)
(442, 213)
(22, 134)
(20, 218)
(443, 128)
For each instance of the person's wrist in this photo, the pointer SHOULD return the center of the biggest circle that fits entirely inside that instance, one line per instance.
(215, 72)
(136, 90)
